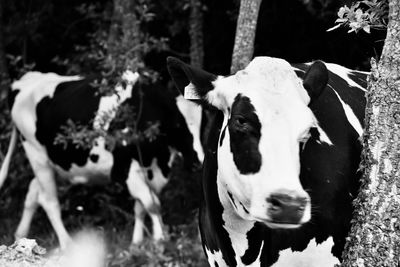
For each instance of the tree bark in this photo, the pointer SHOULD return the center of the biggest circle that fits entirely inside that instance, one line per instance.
(245, 34)
(4, 75)
(374, 238)
(196, 34)
(124, 36)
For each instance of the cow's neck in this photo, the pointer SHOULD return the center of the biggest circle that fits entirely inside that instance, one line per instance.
(236, 227)
(224, 234)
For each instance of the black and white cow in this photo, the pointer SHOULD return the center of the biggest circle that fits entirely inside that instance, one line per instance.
(281, 162)
(43, 103)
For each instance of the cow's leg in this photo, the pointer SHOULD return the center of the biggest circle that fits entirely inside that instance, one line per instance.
(140, 190)
(138, 229)
(49, 201)
(47, 190)
(157, 225)
(30, 206)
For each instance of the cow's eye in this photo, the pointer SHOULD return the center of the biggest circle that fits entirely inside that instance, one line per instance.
(239, 120)
(240, 123)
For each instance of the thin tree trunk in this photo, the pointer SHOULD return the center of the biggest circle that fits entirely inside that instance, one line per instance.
(124, 35)
(245, 34)
(374, 238)
(131, 29)
(196, 34)
(4, 75)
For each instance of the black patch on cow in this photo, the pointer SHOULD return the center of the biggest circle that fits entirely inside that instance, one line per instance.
(12, 94)
(77, 101)
(245, 132)
(315, 79)
(94, 157)
(254, 241)
(150, 175)
(182, 74)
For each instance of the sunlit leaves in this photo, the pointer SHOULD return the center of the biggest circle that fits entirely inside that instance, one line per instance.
(363, 16)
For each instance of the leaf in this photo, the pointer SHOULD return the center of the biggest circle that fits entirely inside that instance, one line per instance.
(367, 28)
(334, 28)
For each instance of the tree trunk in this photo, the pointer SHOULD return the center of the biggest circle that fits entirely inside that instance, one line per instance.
(245, 34)
(4, 75)
(124, 36)
(374, 238)
(196, 34)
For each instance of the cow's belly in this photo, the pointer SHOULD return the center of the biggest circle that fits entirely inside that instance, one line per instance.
(313, 256)
(89, 174)
(97, 169)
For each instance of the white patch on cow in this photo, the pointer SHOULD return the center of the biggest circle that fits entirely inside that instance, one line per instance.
(108, 105)
(192, 114)
(215, 257)
(159, 180)
(323, 137)
(190, 92)
(351, 117)
(272, 75)
(315, 255)
(36, 155)
(173, 154)
(145, 191)
(39, 85)
(236, 227)
(343, 73)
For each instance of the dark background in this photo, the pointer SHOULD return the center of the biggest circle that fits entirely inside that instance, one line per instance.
(42, 30)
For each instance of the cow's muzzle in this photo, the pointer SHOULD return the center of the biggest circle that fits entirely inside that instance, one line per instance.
(287, 208)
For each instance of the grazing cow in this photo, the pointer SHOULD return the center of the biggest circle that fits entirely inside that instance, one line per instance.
(43, 103)
(281, 162)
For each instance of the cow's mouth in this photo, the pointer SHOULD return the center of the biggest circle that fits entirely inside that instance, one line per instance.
(281, 225)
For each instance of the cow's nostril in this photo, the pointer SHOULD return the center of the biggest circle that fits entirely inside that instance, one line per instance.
(286, 207)
(276, 204)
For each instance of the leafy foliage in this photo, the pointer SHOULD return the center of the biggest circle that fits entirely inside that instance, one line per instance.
(363, 15)
(118, 48)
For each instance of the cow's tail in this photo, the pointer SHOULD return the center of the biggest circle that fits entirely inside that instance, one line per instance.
(7, 158)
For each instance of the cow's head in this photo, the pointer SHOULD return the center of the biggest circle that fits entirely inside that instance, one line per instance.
(266, 119)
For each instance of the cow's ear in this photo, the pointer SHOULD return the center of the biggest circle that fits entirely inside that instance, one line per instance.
(316, 79)
(192, 82)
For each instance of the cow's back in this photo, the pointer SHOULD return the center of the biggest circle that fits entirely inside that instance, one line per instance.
(44, 107)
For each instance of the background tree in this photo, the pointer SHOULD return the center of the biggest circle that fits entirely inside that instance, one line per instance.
(243, 48)
(374, 238)
(196, 33)
(4, 76)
